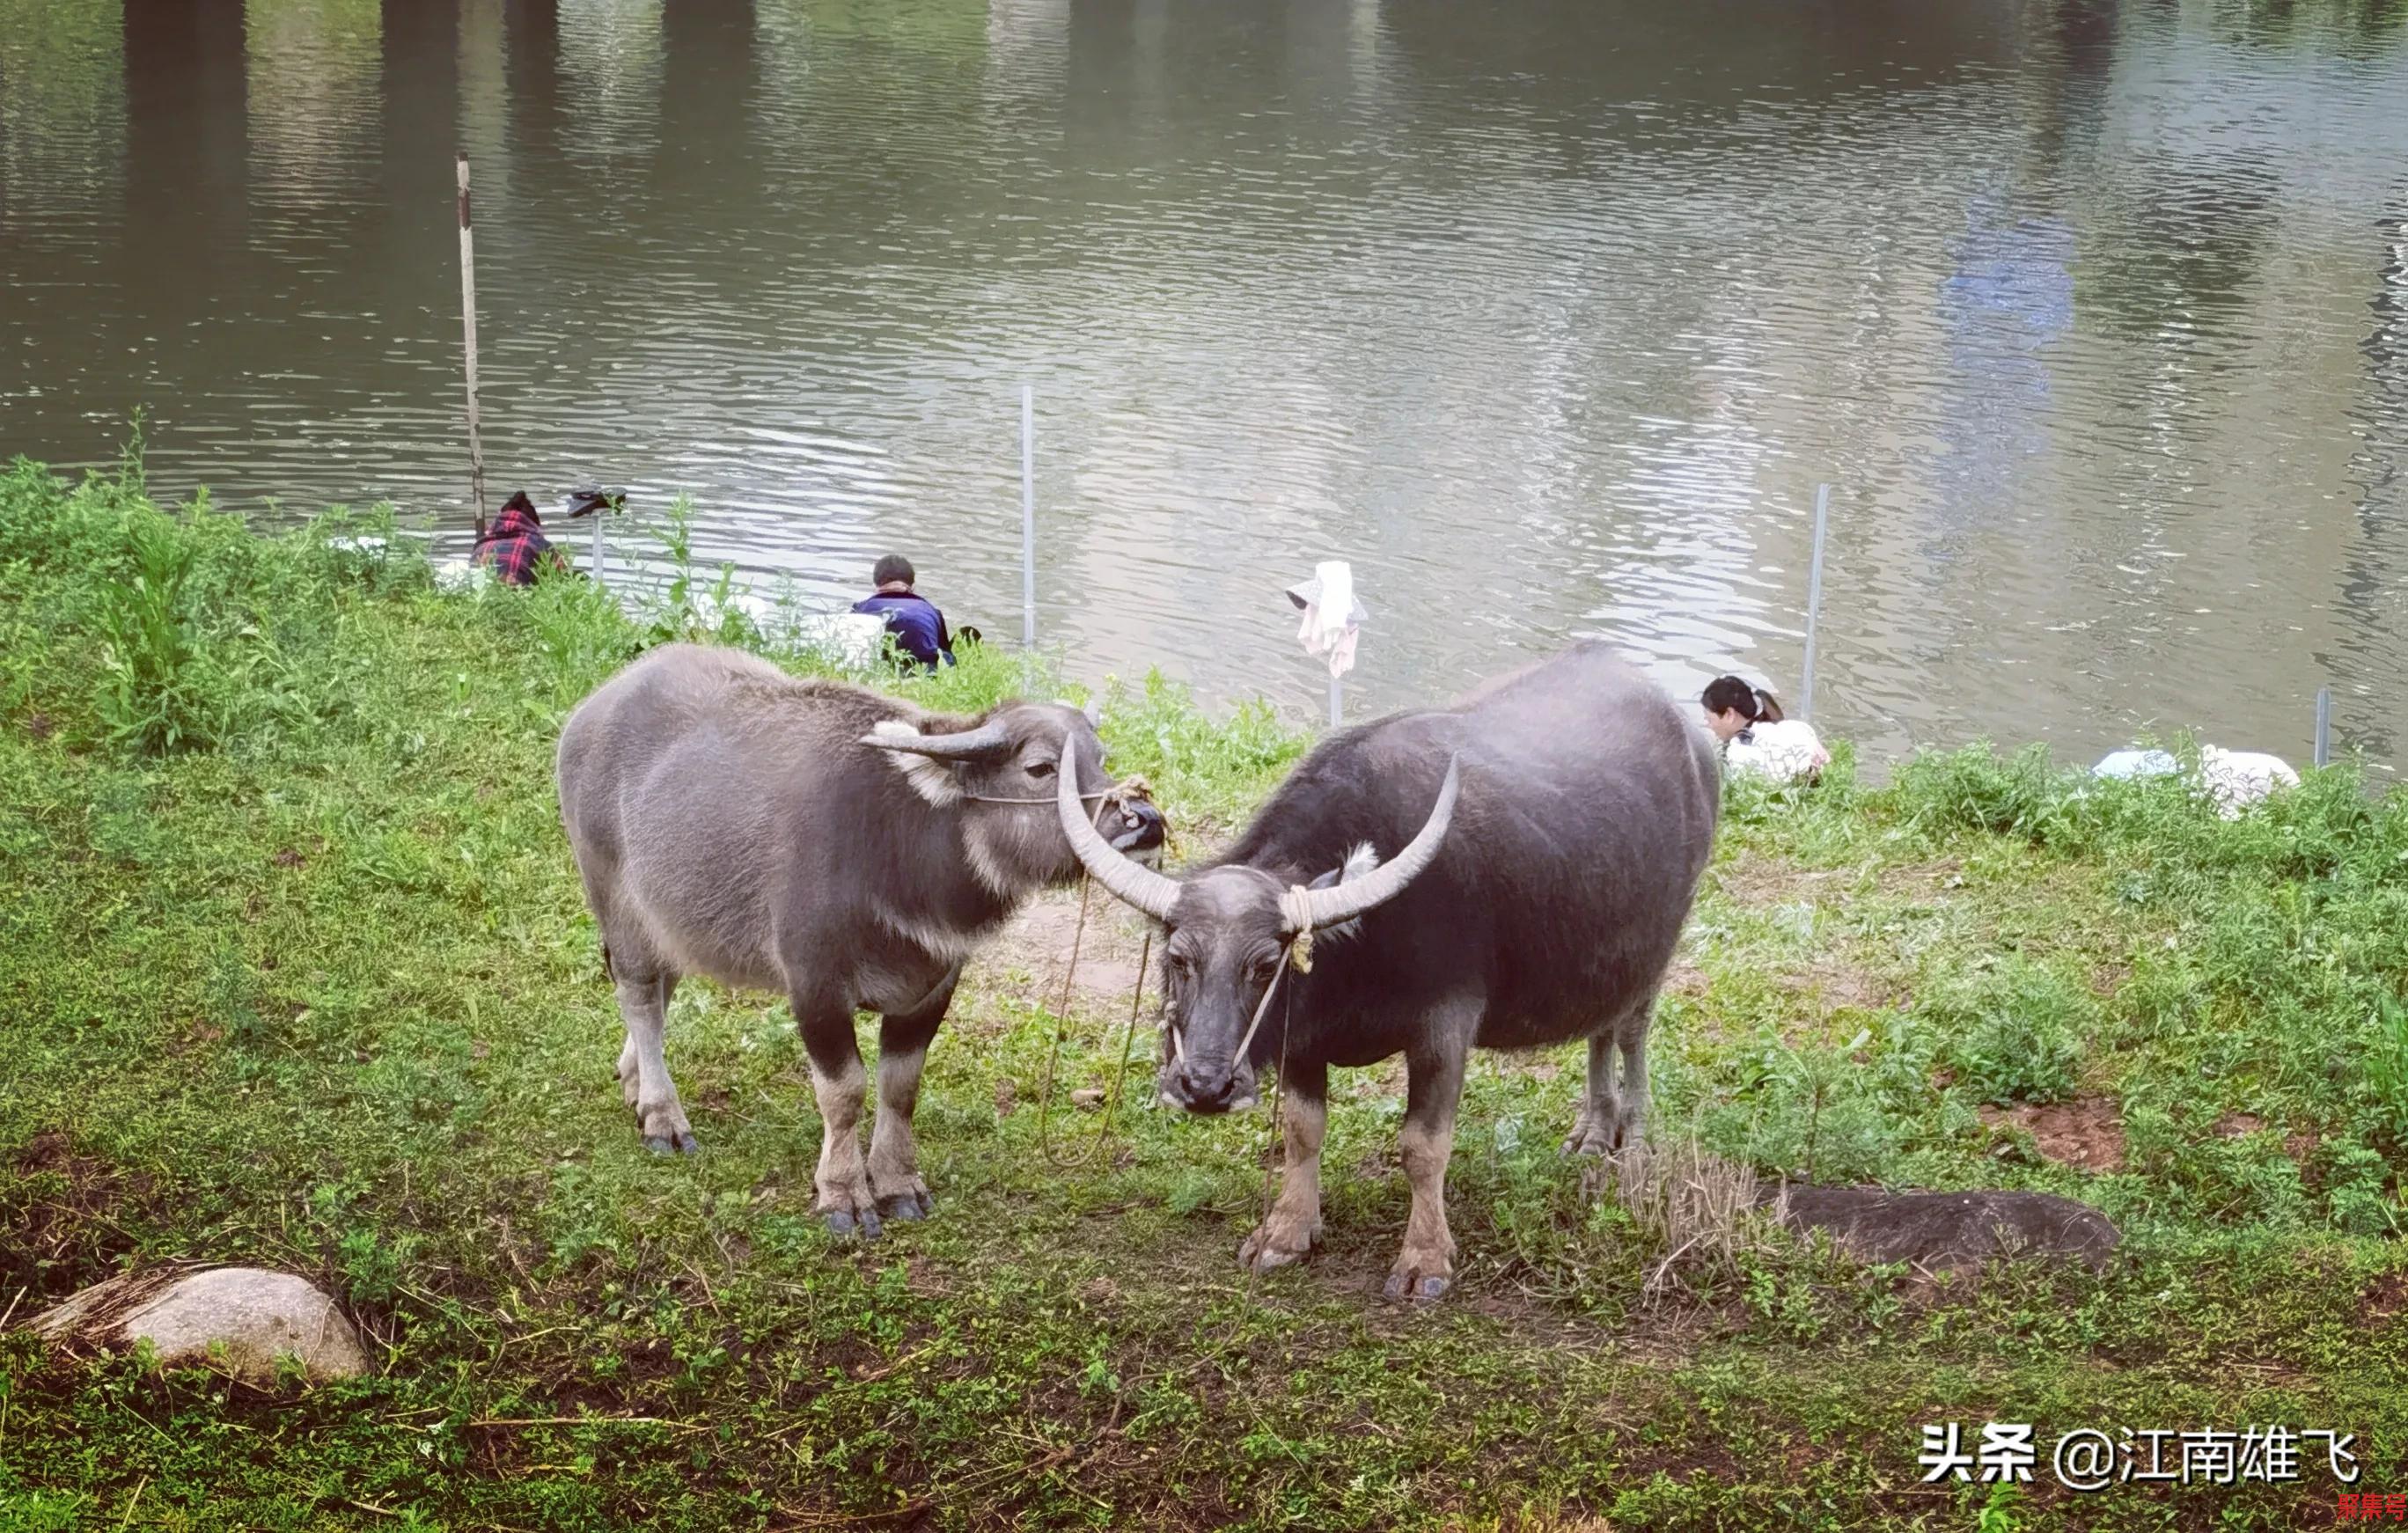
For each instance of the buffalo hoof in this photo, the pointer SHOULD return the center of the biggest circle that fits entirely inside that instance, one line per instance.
(1592, 1147)
(1259, 1259)
(1589, 1138)
(1418, 1287)
(1277, 1242)
(677, 1142)
(907, 1208)
(1421, 1276)
(846, 1222)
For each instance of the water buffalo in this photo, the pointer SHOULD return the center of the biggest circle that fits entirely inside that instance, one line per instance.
(1546, 835)
(845, 848)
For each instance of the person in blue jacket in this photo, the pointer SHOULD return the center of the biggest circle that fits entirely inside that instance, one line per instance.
(918, 627)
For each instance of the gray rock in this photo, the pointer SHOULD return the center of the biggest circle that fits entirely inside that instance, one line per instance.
(239, 1319)
(1950, 1230)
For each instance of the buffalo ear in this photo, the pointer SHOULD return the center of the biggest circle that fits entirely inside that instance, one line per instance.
(933, 778)
(1358, 862)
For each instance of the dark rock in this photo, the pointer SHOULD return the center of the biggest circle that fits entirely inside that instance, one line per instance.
(1950, 1230)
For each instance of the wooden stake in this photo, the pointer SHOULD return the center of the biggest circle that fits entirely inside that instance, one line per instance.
(468, 328)
(1813, 600)
(1028, 516)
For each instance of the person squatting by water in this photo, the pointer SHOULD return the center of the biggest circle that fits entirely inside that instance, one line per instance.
(1754, 736)
(513, 546)
(918, 627)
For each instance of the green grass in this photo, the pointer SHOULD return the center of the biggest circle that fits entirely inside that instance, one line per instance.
(294, 971)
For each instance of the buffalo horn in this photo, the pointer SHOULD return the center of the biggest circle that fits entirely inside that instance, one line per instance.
(987, 739)
(1139, 885)
(1344, 901)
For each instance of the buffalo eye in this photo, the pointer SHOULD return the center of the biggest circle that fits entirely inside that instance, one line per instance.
(1040, 768)
(1261, 970)
(1181, 968)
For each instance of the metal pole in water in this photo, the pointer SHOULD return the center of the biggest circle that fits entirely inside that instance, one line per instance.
(1814, 599)
(468, 327)
(1028, 516)
(1337, 698)
(2324, 726)
(597, 513)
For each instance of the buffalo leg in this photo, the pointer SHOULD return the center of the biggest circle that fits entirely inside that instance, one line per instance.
(1633, 1125)
(838, 1081)
(894, 1154)
(1613, 1109)
(1600, 1103)
(643, 1065)
(1433, 1088)
(1294, 1223)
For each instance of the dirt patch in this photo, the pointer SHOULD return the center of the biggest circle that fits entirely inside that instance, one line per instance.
(287, 858)
(1040, 940)
(2234, 1125)
(1918, 877)
(2086, 1133)
(1842, 986)
(39, 726)
(2383, 1299)
(65, 1214)
(1767, 881)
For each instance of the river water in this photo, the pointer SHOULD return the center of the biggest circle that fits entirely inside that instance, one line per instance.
(1548, 315)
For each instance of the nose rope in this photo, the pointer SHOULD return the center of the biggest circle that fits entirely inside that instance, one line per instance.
(1296, 909)
(1125, 790)
(1262, 1007)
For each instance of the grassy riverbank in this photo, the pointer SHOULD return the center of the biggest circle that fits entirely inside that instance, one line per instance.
(295, 972)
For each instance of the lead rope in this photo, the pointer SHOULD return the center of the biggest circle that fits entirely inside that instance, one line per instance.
(1274, 1153)
(1296, 906)
(1062, 1026)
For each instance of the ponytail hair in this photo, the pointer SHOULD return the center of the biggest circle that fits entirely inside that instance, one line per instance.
(1729, 694)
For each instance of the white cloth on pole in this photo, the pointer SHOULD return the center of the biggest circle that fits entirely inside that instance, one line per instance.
(1332, 616)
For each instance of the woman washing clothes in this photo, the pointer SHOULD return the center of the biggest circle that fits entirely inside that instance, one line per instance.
(1754, 736)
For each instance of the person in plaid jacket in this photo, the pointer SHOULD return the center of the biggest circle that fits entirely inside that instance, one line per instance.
(514, 547)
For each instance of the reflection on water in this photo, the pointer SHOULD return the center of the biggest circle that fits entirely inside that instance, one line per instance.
(1549, 316)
